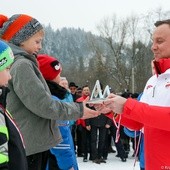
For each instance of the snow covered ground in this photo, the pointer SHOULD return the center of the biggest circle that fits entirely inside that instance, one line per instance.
(112, 163)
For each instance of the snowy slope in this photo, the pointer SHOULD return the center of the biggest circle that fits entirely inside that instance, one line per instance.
(113, 163)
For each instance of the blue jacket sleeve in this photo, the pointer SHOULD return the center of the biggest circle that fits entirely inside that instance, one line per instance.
(131, 133)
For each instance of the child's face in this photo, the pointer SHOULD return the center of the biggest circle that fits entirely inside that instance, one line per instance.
(57, 79)
(34, 44)
(4, 77)
(64, 83)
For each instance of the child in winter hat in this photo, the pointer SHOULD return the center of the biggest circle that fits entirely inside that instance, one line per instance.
(6, 56)
(64, 157)
(18, 28)
(6, 59)
(49, 66)
(12, 147)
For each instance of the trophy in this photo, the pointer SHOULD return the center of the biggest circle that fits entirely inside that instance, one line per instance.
(97, 96)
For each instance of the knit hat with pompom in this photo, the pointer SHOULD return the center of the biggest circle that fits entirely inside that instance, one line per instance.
(49, 66)
(18, 28)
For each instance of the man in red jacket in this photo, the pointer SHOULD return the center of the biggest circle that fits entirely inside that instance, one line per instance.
(153, 113)
(82, 130)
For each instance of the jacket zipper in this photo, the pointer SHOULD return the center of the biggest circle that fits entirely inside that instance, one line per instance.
(153, 94)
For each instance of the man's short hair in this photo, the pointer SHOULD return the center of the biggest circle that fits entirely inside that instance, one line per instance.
(72, 84)
(158, 23)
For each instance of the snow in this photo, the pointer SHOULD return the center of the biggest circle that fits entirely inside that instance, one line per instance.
(112, 163)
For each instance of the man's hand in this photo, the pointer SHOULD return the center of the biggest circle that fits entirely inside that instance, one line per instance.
(107, 126)
(88, 127)
(102, 108)
(89, 113)
(115, 103)
(99, 106)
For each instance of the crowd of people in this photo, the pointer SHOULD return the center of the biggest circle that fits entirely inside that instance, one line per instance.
(94, 138)
(45, 121)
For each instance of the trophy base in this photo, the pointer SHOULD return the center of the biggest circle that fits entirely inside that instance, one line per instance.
(96, 101)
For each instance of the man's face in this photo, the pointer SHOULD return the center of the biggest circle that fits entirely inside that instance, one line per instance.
(73, 89)
(86, 91)
(161, 42)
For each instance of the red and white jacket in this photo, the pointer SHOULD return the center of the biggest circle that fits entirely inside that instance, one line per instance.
(153, 113)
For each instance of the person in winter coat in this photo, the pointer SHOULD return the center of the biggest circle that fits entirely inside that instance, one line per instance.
(98, 128)
(69, 98)
(140, 142)
(12, 151)
(29, 99)
(153, 111)
(83, 134)
(64, 154)
(134, 134)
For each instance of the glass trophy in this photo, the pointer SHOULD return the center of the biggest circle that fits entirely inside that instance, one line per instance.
(97, 95)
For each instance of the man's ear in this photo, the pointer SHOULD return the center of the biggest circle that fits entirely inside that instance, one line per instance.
(21, 44)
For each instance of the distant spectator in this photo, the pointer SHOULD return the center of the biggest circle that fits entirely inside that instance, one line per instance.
(83, 135)
(73, 88)
(79, 92)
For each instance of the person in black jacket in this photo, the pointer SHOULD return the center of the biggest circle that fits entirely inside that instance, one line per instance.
(98, 132)
(119, 146)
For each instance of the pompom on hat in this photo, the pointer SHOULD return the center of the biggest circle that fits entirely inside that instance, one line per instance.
(18, 28)
(3, 19)
(49, 66)
(6, 56)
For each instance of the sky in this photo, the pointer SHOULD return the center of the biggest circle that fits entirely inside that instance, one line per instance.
(84, 14)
